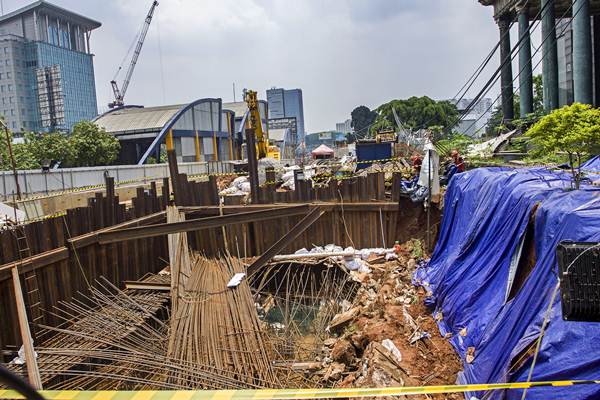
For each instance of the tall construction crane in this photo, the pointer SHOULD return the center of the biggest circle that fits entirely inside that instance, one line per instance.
(120, 94)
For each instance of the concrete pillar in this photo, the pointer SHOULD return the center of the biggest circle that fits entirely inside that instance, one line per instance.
(582, 52)
(550, 56)
(596, 55)
(506, 77)
(525, 71)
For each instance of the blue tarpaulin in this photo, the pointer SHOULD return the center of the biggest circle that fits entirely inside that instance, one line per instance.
(592, 168)
(486, 216)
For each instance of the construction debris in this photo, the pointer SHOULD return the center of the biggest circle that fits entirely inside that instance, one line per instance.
(297, 323)
(385, 338)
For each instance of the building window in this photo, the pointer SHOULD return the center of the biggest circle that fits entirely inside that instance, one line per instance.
(8, 75)
(10, 87)
(7, 62)
(11, 100)
(12, 112)
(6, 50)
(64, 39)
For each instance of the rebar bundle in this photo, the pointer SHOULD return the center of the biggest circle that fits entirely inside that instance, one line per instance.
(218, 326)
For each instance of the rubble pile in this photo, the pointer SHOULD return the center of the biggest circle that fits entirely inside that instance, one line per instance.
(387, 337)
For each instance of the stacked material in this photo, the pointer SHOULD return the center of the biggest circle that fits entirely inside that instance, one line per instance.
(218, 326)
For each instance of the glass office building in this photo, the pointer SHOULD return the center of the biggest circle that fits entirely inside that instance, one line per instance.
(46, 68)
(286, 104)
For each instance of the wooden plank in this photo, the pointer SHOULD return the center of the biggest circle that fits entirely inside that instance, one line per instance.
(33, 372)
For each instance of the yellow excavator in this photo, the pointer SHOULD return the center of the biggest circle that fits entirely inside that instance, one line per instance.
(263, 148)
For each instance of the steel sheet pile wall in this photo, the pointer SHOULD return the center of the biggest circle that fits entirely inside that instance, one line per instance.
(70, 251)
(66, 254)
(352, 224)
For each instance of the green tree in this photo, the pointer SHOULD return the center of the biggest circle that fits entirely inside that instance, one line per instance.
(574, 129)
(92, 145)
(417, 113)
(362, 119)
(21, 153)
(52, 147)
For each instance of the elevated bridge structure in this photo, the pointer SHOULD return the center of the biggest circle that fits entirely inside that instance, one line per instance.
(569, 75)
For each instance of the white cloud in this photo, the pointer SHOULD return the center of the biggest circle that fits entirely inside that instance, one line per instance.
(341, 53)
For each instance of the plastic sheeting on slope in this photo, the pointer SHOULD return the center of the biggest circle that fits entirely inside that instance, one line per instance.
(592, 168)
(486, 214)
(593, 164)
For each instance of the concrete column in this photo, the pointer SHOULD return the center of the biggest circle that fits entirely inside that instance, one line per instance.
(550, 56)
(582, 52)
(506, 76)
(525, 71)
(596, 55)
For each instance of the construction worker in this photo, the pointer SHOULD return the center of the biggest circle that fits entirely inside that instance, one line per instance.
(458, 161)
(417, 161)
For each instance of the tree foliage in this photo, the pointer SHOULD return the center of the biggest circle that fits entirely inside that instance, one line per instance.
(92, 146)
(574, 129)
(87, 145)
(417, 113)
(362, 119)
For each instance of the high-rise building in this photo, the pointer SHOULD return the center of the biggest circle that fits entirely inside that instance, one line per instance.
(286, 104)
(344, 127)
(473, 121)
(46, 68)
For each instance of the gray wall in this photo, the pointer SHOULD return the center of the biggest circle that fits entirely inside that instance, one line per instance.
(36, 182)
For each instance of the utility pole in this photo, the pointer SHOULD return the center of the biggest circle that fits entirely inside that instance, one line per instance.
(12, 158)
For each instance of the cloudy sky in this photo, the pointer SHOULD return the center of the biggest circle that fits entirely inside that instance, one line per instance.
(341, 53)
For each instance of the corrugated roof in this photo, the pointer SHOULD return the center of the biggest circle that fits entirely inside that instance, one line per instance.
(238, 107)
(137, 119)
(56, 9)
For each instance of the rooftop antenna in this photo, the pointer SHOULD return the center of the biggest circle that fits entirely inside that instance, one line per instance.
(1, 7)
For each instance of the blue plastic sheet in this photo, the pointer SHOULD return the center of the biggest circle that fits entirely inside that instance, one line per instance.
(592, 168)
(486, 214)
(593, 164)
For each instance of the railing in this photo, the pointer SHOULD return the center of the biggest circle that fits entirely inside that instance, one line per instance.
(37, 182)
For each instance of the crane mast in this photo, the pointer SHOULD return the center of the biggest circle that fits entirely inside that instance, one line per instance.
(120, 93)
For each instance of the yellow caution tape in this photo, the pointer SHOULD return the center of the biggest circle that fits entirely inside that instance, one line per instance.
(282, 394)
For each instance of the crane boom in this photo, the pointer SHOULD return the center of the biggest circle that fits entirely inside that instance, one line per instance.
(120, 94)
